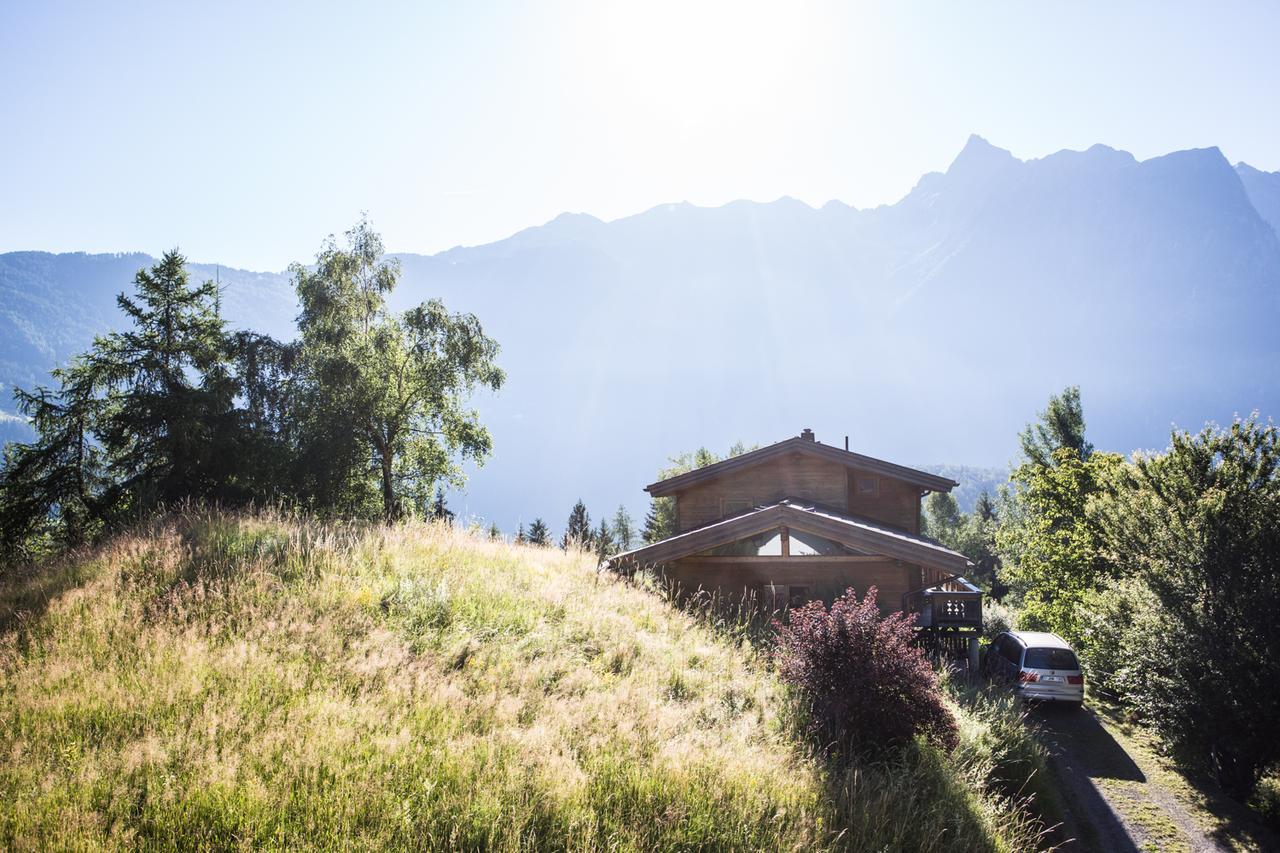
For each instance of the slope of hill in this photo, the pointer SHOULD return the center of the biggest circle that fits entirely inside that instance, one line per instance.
(216, 682)
(932, 328)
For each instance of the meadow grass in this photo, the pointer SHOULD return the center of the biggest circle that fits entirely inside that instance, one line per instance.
(224, 681)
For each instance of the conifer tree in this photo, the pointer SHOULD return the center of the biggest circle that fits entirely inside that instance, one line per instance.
(170, 428)
(539, 534)
(494, 532)
(577, 533)
(602, 540)
(521, 538)
(624, 533)
(439, 509)
(56, 484)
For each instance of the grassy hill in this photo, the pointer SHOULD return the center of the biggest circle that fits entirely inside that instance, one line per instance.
(223, 681)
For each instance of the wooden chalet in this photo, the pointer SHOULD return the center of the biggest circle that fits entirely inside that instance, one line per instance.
(801, 520)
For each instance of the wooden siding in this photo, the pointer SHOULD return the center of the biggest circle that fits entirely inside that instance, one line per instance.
(825, 577)
(804, 477)
(894, 502)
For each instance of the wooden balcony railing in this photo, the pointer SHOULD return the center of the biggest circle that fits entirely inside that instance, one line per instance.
(952, 603)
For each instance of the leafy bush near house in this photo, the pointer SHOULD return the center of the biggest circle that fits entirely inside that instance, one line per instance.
(1197, 526)
(1266, 802)
(866, 681)
(996, 619)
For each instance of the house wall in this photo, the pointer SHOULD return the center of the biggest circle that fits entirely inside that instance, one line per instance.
(825, 577)
(794, 476)
(893, 502)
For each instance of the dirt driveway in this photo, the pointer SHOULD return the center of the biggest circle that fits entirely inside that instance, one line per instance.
(1123, 797)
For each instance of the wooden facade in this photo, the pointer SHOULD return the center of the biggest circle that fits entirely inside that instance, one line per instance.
(800, 520)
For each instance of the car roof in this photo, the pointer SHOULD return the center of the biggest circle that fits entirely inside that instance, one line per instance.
(1040, 640)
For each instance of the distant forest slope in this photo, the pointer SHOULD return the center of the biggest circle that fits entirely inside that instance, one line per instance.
(973, 481)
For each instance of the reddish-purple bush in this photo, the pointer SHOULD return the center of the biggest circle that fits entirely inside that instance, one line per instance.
(868, 683)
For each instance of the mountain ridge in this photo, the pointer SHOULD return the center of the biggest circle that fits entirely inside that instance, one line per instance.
(933, 327)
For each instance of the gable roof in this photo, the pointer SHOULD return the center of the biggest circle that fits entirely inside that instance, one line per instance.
(800, 444)
(860, 533)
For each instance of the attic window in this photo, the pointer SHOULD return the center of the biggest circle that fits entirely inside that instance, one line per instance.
(769, 544)
(868, 487)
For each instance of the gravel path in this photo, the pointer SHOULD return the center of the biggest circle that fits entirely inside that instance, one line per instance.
(1115, 804)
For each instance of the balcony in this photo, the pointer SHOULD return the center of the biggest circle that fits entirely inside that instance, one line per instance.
(953, 603)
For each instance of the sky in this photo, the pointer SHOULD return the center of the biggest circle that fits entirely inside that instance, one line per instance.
(245, 133)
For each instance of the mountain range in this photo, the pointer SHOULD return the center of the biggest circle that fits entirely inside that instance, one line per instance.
(927, 331)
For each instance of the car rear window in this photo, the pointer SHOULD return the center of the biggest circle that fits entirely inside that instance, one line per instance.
(1050, 659)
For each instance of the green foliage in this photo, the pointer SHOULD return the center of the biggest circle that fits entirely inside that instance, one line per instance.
(660, 521)
(1048, 545)
(942, 518)
(54, 487)
(972, 534)
(1198, 525)
(602, 541)
(384, 386)
(1060, 426)
(363, 416)
(577, 533)
(440, 508)
(539, 534)
(1115, 621)
(145, 418)
(624, 533)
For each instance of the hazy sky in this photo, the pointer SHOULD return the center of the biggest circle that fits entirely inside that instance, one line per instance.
(246, 132)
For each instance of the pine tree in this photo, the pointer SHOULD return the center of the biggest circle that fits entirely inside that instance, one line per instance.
(494, 533)
(985, 508)
(602, 540)
(170, 428)
(439, 509)
(521, 539)
(660, 521)
(624, 533)
(577, 533)
(539, 534)
(57, 483)
(145, 418)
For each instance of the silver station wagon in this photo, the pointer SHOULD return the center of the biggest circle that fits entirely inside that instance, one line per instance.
(1039, 666)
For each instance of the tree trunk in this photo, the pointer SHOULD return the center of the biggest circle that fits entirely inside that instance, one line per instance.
(388, 488)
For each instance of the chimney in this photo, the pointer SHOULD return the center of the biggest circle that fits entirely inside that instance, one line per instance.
(806, 434)
(846, 443)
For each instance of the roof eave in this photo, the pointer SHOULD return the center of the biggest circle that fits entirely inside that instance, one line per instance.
(923, 479)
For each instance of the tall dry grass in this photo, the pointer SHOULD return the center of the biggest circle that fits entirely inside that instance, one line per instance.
(223, 681)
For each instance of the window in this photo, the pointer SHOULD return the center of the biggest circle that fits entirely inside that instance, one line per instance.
(1051, 659)
(1011, 650)
(769, 544)
(867, 487)
(735, 506)
(797, 596)
(808, 545)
